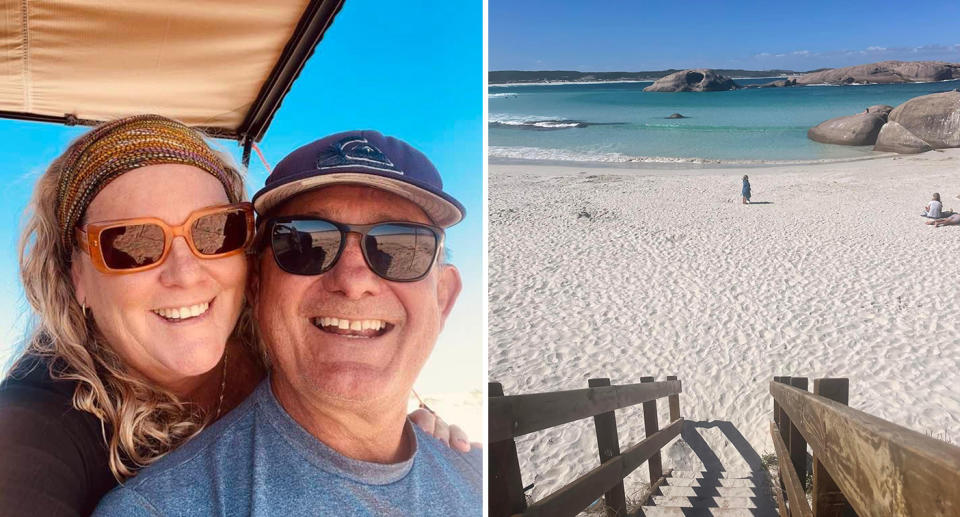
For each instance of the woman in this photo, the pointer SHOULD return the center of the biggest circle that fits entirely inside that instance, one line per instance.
(946, 221)
(133, 260)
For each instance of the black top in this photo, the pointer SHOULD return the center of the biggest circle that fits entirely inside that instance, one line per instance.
(53, 459)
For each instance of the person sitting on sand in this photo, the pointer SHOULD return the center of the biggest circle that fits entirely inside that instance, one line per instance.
(934, 208)
(745, 190)
(953, 219)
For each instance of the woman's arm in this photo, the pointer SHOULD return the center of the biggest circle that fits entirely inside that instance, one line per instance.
(45, 463)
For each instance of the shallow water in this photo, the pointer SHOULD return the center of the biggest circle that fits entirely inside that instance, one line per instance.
(619, 122)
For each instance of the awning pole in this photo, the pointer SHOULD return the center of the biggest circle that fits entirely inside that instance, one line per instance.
(247, 144)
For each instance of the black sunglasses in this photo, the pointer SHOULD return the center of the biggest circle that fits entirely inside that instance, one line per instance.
(309, 245)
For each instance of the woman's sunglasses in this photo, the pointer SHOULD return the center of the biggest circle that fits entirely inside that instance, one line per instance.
(395, 251)
(132, 245)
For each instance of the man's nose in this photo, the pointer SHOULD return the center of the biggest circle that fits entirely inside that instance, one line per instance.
(351, 276)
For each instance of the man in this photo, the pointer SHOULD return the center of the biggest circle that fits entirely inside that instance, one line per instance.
(350, 293)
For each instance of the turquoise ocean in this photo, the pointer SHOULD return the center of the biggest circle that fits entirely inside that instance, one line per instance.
(620, 123)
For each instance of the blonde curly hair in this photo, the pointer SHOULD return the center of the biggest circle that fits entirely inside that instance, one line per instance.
(140, 421)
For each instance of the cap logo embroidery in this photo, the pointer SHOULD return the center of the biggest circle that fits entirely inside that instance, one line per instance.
(353, 151)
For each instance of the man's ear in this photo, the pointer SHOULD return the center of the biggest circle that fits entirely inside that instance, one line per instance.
(448, 288)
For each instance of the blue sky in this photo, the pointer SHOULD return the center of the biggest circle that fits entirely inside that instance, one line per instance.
(622, 35)
(410, 70)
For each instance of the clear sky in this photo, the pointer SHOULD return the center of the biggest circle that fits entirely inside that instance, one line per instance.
(623, 35)
(410, 70)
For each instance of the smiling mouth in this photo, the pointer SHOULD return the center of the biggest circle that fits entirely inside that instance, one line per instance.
(352, 328)
(187, 312)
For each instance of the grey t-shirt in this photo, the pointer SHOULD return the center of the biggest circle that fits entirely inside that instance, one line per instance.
(258, 461)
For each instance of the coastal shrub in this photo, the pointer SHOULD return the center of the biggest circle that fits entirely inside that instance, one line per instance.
(767, 460)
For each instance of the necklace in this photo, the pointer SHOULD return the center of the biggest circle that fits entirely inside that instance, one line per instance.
(223, 382)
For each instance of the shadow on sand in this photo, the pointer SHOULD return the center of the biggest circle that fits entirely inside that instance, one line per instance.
(706, 455)
(709, 491)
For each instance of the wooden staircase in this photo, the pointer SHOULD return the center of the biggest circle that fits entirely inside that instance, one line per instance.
(859, 463)
(707, 493)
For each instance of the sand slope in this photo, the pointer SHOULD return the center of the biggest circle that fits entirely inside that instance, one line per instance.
(625, 273)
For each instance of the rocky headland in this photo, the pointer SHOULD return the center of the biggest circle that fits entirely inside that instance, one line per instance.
(781, 83)
(504, 77)
(884, 72)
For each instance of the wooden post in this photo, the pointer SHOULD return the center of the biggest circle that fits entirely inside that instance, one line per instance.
(784, 423)
(776, 405)
(828, 500)
(651, 426)
(608, 443)
(674, 402)
(505, 486)
(798, 446)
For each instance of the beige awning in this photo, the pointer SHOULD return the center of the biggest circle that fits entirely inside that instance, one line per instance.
(222, 65)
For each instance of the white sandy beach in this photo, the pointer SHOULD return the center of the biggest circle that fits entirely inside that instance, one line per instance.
(623, 273)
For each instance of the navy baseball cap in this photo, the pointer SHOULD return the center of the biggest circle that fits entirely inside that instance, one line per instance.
(361, 158)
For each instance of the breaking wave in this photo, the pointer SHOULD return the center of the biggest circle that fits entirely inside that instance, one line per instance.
(540, 123)
(566, 155)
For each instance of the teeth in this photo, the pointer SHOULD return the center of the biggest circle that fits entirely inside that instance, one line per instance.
(182, 313)
(345, 324)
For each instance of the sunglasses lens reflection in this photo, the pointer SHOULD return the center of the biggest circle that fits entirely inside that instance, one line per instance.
(218, 233)
(305, 247)
(399, 251)
(131, 246)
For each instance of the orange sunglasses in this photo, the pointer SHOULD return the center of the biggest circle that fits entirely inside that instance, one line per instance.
(133, 245)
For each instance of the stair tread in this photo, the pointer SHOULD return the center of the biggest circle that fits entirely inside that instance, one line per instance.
(722, 491)
(707, 502)
(668, 511)
(722, 474)
(712, 482)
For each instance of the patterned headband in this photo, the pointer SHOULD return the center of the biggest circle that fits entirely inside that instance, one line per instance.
(116, 147)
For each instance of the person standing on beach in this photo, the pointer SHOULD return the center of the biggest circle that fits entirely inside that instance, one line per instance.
(745, 190)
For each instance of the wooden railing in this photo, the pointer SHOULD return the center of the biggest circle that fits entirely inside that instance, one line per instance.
(516, 415)
(860, 462)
